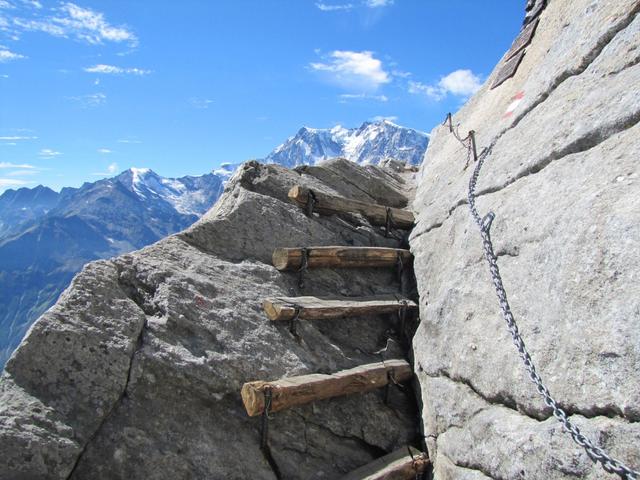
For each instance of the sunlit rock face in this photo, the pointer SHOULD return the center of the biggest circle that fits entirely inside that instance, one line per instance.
(562, 178)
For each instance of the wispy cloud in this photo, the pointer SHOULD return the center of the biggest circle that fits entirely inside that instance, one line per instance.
(129, 140)
(7, 55)
(382, 118)
(16, 165)
(353, 70)
(90, 100)
(345, 7)
(22, 173)
(460, 83)
(69, 20)
(15, 138)
(49, 153)
(12, 182)
(113, 70)
(200, 103)
(362, 96)
(104, 150)
(112, 169)
(333, 8)
(378, 3)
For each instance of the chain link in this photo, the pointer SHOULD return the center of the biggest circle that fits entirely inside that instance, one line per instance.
(594, 452)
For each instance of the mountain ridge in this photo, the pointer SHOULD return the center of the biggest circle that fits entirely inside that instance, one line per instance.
(44, 245)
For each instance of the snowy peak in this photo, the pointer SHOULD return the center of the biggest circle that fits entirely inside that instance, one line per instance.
(370, 143)
(187, 195)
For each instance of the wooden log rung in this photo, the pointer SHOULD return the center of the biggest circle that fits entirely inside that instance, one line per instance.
(403, 464)
(314, 308)
(292, 391)
(339, 257)
(330, 204)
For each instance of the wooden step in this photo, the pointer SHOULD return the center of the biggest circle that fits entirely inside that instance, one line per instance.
(292, 391)
(340, 257)
(330, 204)
(314, 308)
(402, 464)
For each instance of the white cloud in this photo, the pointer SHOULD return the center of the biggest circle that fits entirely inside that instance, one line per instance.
(428, 90)
(90, 100)
(378, 3)
(14, 138)
(104, 150)
(113, 70)
(11, 182)
(33, 3)
(353, 70)
(362, 96)
(7, 55)
(4, 75)
(111, 170)
(72, 21)
(22, 173)
(129, 140)
(382, 118)
(49, 153)
(461, 83)
(201, 103)
(332, 8)
(16, 165)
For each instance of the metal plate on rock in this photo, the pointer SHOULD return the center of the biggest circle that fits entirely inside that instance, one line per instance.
(537, 9)
(523, 39)
(508, 69)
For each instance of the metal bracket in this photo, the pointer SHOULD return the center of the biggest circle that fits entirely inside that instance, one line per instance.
(303, 267)
(311, 202)
(388, 223)
(293, 323)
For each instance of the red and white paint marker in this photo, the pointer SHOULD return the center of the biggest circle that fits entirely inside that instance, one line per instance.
(515, 101)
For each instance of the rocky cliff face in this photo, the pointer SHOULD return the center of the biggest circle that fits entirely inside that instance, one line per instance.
(136, 371)
(562, 177)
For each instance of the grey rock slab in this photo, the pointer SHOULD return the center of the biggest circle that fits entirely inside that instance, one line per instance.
(565, 257)
(562, 179)
(178, 327)
(571, 100)
(67, 375)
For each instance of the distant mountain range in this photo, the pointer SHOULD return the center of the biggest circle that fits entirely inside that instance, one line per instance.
(368, 144)
(46, 237)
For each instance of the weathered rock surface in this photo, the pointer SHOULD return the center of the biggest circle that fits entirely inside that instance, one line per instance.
(136, 371)
(563, 178)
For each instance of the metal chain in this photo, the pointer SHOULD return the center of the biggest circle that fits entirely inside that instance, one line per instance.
(594, 452)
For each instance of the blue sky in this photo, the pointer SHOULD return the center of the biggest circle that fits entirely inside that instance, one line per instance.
(90, 88)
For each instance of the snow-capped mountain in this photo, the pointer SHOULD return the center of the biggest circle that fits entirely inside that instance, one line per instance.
(187, 195)
(368, 144)
(50, 236)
